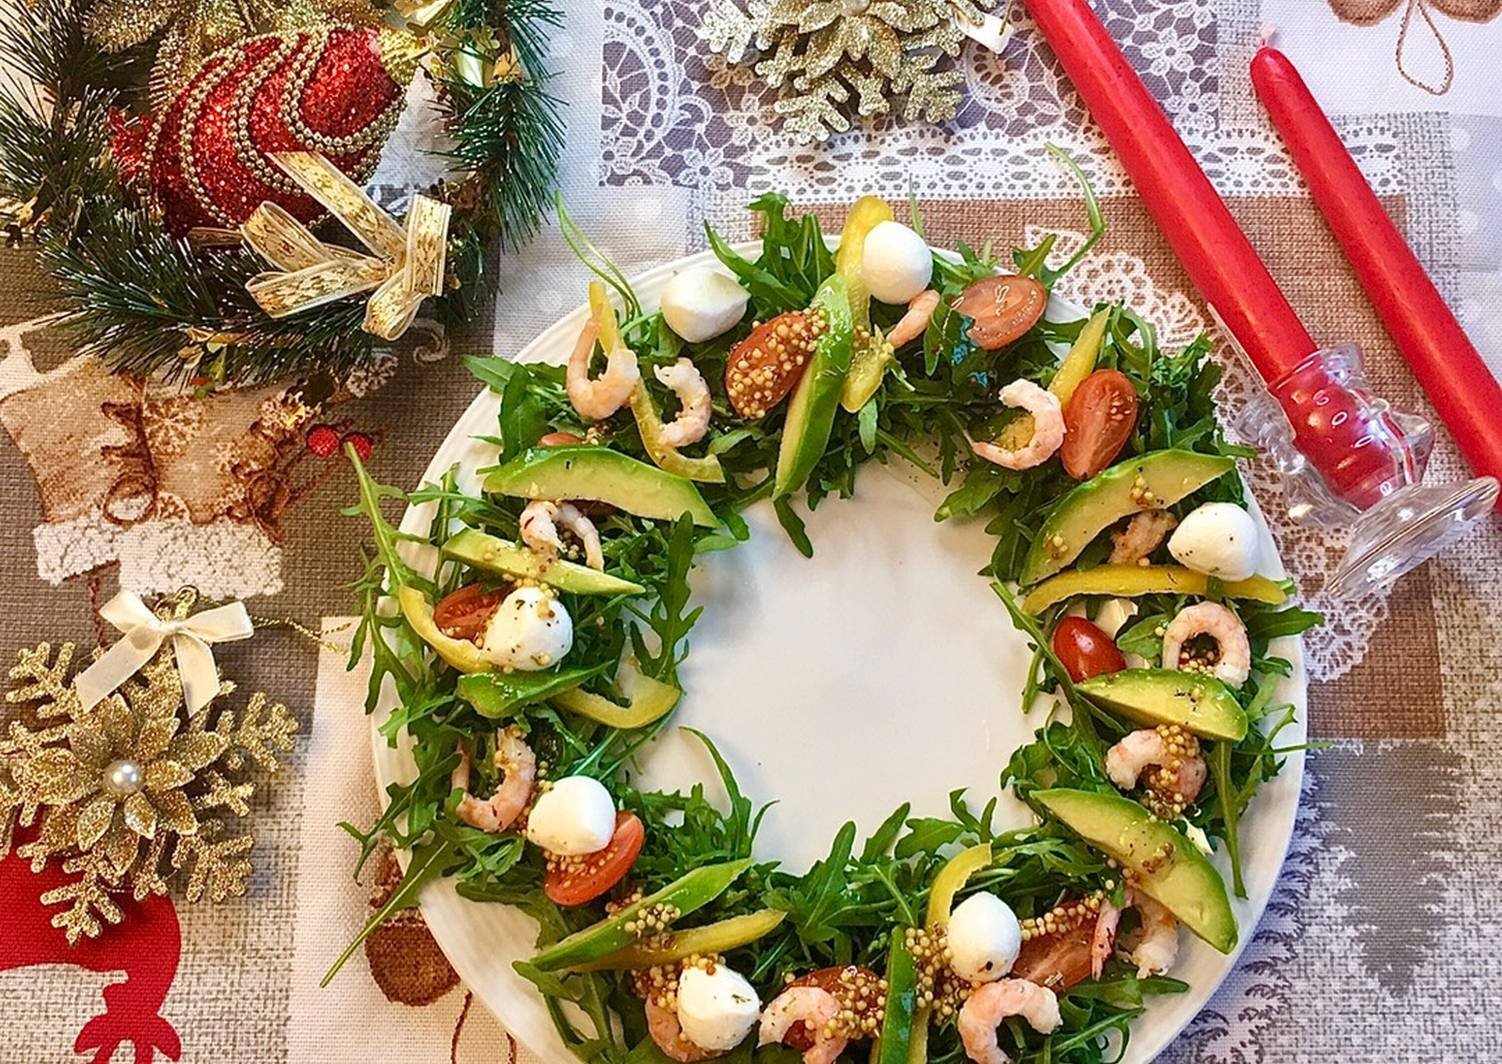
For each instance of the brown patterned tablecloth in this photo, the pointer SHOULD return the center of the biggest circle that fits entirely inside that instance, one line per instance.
(1381, 941)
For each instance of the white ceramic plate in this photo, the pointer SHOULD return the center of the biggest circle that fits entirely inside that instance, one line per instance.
(881, 671)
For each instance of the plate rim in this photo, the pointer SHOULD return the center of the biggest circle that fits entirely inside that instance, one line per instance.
(439, 899)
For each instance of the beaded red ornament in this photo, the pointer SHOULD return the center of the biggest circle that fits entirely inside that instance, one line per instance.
(204, 158)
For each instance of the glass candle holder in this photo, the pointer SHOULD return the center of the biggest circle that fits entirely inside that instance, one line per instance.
(1353, 462)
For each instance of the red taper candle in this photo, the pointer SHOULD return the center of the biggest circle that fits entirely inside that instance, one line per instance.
(1215, 252)
(1442, 357)
(1357, 448)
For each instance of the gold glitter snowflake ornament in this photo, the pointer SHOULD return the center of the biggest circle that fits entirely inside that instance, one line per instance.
(820, 53)
(133, 794)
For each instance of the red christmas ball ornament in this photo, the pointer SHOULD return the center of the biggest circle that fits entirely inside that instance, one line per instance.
(205, 158)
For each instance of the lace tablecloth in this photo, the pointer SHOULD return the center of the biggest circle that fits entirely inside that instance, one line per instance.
(1380, 942)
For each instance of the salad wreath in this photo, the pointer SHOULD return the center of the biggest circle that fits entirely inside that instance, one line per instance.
(535, 646)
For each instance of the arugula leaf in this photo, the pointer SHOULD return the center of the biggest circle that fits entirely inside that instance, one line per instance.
(792, 524)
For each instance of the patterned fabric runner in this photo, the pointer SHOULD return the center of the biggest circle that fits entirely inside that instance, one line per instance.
(1375, 945)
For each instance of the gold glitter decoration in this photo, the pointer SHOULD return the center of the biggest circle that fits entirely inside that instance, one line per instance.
(820, 53)
(192, 30)
(132, 795)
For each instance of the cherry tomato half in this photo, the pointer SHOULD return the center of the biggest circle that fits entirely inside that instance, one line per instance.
(1098, 422)
(1085, 649)
(560, 439)
(1058, 960)
(1004, 309)
(763, 368)
(798, 1036)
(464, 613)
(576, 884)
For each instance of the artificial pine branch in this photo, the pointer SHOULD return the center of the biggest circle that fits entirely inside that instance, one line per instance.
(149, 303)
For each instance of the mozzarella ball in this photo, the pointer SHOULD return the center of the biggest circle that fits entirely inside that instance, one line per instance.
(1114, 615)
(896, 263)
(717, 1010)
(700, 304)
(575, 816)
(529, 630)
(1217, 539)
(984, 938)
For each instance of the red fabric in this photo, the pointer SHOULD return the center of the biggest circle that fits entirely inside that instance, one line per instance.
(145, 946)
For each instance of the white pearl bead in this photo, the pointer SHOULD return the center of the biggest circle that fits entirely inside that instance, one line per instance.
(124, 778)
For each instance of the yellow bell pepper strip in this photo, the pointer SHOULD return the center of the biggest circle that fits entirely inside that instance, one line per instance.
(948, 883)
(1130, 581)
(499, 694)
(669, 459)
(460, 653)
(871, 356)
(1078, 364)
(687, 894)
(649, 699)
(894, 1042)
(719, 937)
(604, 317)
(648, 421)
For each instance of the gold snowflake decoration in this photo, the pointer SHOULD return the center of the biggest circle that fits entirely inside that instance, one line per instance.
(192, 30)
(820, 53)
(132, 795)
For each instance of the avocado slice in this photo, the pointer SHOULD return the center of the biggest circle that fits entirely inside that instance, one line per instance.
(1130, 581)
(810, 417)
(1160, 477)
(1164, 864)
(588, 472)
(494, 555)
(1199, 704)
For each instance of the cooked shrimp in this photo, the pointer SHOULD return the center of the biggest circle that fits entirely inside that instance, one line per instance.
(600, 397)
(667, 1034)
(688, 385)
(1158, 945)
(1103, 941)
(1143, 534)
(1175, 754)
(1048, 428)
(816, 1009)
(915, 321)
(984, 1010)
(518, 767)
(539, 530)
(1232, 661)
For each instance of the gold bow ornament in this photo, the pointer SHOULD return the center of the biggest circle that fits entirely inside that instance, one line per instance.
(145, 632)
(405, 268)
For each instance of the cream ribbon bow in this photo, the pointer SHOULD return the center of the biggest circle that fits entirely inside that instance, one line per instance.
(145, 633)
(406, 268)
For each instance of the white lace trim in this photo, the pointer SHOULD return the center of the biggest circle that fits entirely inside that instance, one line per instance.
(673, 113)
